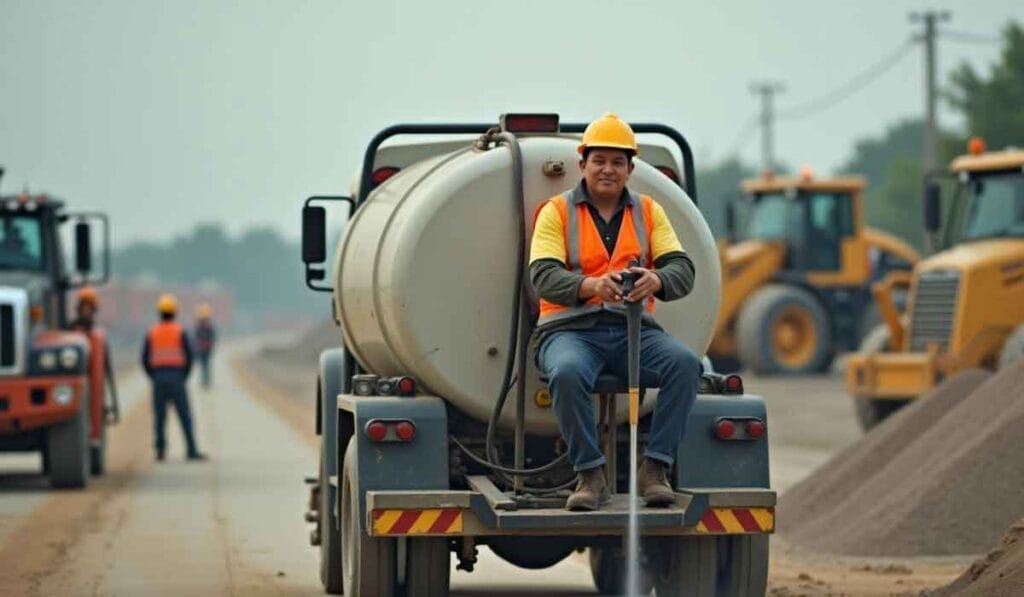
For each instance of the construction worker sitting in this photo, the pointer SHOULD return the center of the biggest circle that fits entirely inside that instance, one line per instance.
(582, 240)
(167, 359)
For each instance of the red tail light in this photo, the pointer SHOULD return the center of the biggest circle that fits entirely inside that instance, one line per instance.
(725, 429)
(755, 429)
(383, 173)
(405, 431)
(669, 172)
(734, 384)
(376, 430)
(406, 386)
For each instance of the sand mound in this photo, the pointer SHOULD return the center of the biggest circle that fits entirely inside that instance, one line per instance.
(1000, 573)
(941, 477)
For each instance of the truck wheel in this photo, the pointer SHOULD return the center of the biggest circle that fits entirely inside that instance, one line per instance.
(871, 412)
(428, 568)
(98, 454)
(368, 563)
(67, 445)
(608, 569)
(330, 535)
(784, 329)
(730, 566)
(1013, 349)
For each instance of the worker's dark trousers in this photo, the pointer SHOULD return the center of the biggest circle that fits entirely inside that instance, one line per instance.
(171, 391)
(572, 360)
(205, 375)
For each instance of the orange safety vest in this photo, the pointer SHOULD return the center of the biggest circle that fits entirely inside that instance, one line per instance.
(586, 253)
(166, 345)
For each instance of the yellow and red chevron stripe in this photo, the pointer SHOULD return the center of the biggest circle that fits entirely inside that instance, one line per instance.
(729, 521)
(429, 521)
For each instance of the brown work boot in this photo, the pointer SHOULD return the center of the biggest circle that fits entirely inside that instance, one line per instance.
(653, 483)
(591, 491)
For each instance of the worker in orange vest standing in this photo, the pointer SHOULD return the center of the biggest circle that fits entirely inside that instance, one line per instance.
(206, 336)
(167, 358)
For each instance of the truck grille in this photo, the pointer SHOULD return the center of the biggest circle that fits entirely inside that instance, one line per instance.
(7, 342)
(934, 310)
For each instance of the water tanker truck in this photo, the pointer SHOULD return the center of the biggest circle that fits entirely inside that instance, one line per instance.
(52, 380)
(420, 458)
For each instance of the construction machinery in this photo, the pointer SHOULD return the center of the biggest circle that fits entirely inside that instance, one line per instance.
(419, 457)
(966, 302)
(52, 380)
(795, 287)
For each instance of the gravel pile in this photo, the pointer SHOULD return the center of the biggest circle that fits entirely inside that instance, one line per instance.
(999, 574)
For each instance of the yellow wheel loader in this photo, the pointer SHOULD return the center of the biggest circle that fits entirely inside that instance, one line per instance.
(796, 284)
(966, 302)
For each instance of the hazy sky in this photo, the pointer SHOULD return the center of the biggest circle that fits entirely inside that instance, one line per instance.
(166, 114)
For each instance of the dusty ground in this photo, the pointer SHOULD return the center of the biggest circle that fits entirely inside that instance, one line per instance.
(234, 525)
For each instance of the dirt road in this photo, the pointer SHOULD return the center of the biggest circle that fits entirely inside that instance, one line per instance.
(233, 525)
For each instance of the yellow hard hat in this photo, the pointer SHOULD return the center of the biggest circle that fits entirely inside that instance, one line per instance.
(88, 295)
(204, 311)
(608, 131)
(167, 304)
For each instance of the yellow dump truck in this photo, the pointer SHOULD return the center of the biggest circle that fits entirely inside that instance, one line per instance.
(966, 305)
(795, 287)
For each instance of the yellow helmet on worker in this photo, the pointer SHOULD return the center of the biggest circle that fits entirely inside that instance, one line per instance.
(611, 132)
(204, 311)
(167, 304)
(87, 295)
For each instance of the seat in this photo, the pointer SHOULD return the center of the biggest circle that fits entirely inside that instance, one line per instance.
(607, 387)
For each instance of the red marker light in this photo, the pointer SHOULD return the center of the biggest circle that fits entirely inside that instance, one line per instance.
(383, 173)
(530, 123)
(755, 429)
(406, 386)
(734, 384)
(376, 430)
(405, 431)
(725, 429)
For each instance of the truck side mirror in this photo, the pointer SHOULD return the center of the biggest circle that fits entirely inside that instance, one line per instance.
(83, 248)
(314, 234)
(932, 206)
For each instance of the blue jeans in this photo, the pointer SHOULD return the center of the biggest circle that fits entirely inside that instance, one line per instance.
(572, 360)
(167, 392)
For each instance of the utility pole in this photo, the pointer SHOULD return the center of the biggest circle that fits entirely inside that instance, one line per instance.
(930, 19)
(767, 91)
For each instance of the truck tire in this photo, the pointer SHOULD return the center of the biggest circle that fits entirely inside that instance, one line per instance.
(784, 329)
(726, 566)
(67, 446)
(1013, 349)
(368, 563)
(330, 536)
(608, 569)
(428, 567)
(98, 454)
(871, 412)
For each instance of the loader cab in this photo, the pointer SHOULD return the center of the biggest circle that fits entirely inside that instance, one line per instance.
(987, 205)
(816, 221)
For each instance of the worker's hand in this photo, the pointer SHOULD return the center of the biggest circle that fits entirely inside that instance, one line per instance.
(647, 284)
(608, 287)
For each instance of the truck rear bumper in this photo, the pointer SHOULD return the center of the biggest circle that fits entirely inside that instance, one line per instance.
(28, 403)
(474, 513)
(893, 376)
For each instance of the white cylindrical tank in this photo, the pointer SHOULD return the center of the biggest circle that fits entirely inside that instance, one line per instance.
(424, 273)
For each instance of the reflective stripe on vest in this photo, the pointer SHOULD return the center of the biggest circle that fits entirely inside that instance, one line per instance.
(166, 345)
(577, 221)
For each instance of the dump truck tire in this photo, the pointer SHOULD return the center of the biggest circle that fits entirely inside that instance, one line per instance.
(728, 566)
(368, 563)
(98, 454)
(608, 569)
(1013, 349)
(330, 537)
(67, 445)
(871, 412)
(428, 568)
(784, 329)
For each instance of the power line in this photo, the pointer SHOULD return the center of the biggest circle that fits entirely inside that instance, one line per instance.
(848, 88)
(741, 134)
(969, 37)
